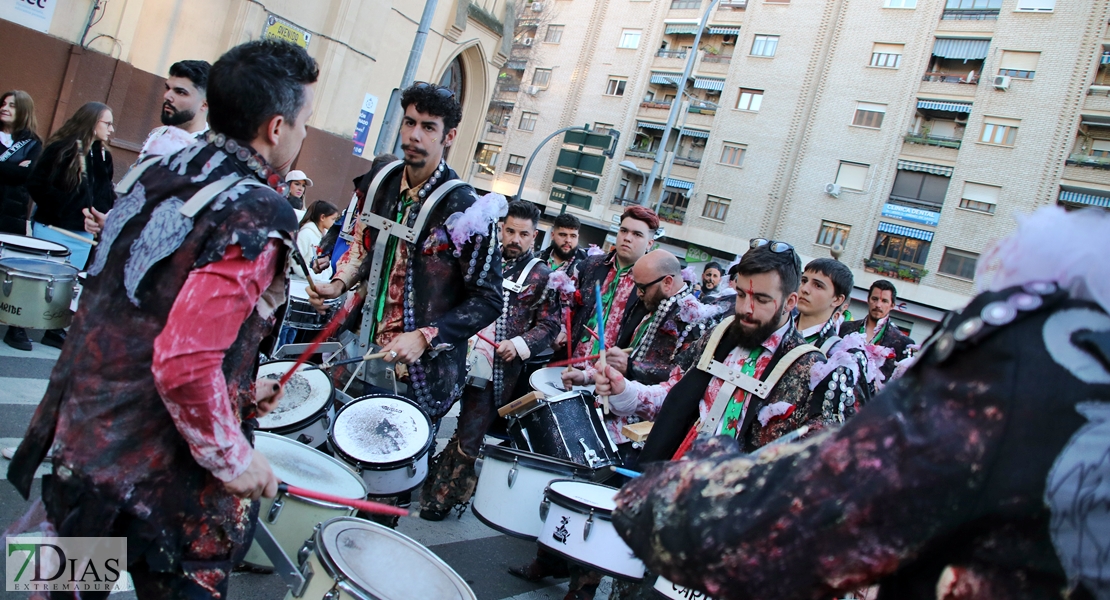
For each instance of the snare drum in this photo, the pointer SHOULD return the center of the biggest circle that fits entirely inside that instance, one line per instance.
(36, 293)
(22, 246)
(673, 591)
(386, 439)
(354, 559)
(511, 484)
(478, 370)
(549, 382)
(578, 525)
(568, 427)
(300, 314)
(306, 410)
(291, 518)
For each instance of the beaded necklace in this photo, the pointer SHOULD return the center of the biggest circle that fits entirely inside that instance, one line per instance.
(501, 325)
(657, 317)
(247, 155)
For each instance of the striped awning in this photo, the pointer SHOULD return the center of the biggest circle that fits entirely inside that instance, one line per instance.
(961, 48)
(682, 28)
(724, 30)
(709, 83)
(910, 232)
(1105, 58)
(659, 78)
(501, 103)
(695, 133)
(651, 125)
(909, 165)
(678, 184)
(963, 107)
(518, 65)
(1081, 198)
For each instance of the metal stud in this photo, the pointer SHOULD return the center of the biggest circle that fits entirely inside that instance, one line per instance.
(943, 347)
(998, 313)
(1025, 301)
(1042, 288)
(231, 146)
(964, 331)
(829, 395)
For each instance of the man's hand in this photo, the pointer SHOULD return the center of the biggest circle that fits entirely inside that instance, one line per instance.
(616, 358)
(573, 377)
(507, 350)
(560, 340)
(25, 163)
(94, 220)
(408, 346)
(320, 263)
(267, 394)
(257, 480)
(609, 381)
(324, 291)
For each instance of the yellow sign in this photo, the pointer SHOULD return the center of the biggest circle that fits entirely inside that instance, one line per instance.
(280, 29)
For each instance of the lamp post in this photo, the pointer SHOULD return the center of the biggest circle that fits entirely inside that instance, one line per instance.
(678, 144)
(660, 154)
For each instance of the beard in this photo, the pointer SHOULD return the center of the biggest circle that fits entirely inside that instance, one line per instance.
(564, 256)
(417, 163)
(708, 286)
(176, 117)
(512, 251)
(738, 336)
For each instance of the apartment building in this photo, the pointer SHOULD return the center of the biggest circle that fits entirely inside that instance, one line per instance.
(904, 134)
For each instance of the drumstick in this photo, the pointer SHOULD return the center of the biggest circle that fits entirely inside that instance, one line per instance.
(486, 339)
(568, 362)
(304, 266)
(324, 334)
(570, 346)
(376, 508)
(626, 472)
(362, 361)
(70, 234)
(600, 308)
(593, 333)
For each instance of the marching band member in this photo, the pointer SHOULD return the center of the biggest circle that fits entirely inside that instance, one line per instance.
(877, 328)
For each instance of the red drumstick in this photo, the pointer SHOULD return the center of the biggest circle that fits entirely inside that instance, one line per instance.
(364, 505)
(571, 361)
(321, 337)
(592, 332)
(487, 340)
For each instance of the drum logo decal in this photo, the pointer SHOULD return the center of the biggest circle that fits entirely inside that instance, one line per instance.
(11, 308)
(561, 533)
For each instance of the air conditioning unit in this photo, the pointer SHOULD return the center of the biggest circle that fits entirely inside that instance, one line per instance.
(527, 41)
(532, 90)
(537, 7)
(728, 40)
(832, 189)
(1002, 82)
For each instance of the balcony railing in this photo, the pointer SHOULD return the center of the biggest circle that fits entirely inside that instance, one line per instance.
(969, 15)
(1099, 90)
(733, 4)
(950, 78)
(672, 214)
(664, 105)
(702, 110)
(933, 140)
(687, 161)
(617, 200)
(717, 58)
(496, 129)
(508, 88)
(671, 54)
(640, 152)
(1084, 160)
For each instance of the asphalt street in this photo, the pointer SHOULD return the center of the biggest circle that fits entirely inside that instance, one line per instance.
(479, 554)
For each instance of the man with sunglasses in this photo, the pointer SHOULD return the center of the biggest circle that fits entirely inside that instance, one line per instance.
(878, 329)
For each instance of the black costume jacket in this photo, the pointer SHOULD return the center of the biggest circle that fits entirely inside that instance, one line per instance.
(892, 338)
(15, 202)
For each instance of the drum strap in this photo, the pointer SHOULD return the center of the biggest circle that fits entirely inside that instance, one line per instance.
(829, 343)
(207, 193)
(516, 286)
(124, 185)
(15, 148)
(371, 193)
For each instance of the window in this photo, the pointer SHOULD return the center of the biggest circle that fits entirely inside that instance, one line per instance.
(1100, 148)
(554, 34)
(541, 77)
(1035, 5)
(528, 121)
(602, 128)
(684, 4)
(750, 99)
(765, 45)
(486, 157)
(852, 176)
(515, 165)
(900, 4)
(630, 38)
(733, 155)
(979, 197)
(869, 115)
(615, 87)
(973, 5)
(917, 189)
(715, 208)
(958, 263)
(886, 55)
(901, 249)
(833, 233)
(1000, 131)
(1020, 65)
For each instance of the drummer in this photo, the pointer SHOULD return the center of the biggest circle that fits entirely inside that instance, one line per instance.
(150, 404)
(528, 325)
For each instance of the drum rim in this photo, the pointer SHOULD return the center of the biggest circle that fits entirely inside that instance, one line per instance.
(539, 460)
(576, 505)
(312, 418)
(61, 251)
(299, 425)
(390, 466)
(346, 467)
(579, 561)
(499, 528)
(355, 589)
(6, 266)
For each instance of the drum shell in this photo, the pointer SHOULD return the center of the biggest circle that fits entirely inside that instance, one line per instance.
(300, 314)
(665, 589)
(513, 508)
(555, 425)
(390, 478)
(24, 292)
(602, 549)
(312, 430)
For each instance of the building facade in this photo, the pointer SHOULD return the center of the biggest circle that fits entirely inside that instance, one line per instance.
(904, 134)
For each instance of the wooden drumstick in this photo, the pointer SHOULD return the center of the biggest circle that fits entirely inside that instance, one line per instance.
(70, 234)
(304, 266)
(368, 356)
(376, 508)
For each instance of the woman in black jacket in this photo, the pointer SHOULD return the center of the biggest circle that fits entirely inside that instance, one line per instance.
(19, 147)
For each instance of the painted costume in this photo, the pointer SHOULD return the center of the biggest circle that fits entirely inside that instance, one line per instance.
(618, 292)
(888, 336)
(568, 266)
(530, 319)
(852, 357)
(976, 475)
(446, 284)
(148, 411)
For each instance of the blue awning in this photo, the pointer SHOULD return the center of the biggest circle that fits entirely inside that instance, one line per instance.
(724, 29)
(961, 48)
(963, 107)
(1105, 58)
(651, 125)
(695, 133)
(678, 184)
(709, 83)
(681, 28)
(659, 78)
(1081, 198)
(910, 232)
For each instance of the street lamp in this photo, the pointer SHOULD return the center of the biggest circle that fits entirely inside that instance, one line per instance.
(678, 144)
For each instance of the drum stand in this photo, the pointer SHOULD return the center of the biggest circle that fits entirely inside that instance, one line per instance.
(292, 575)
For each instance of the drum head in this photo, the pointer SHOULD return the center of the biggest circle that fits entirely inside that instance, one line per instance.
(307, 393)
(386, 564)
(30, 245)
(549, 382)
(298, 288)
(583, 494)
(38, 267)
(381, 430)
(301, 466)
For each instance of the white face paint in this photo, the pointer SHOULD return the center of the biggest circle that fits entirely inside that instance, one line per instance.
(1058, 330)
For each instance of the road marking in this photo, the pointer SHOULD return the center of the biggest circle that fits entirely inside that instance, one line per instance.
(27, 392)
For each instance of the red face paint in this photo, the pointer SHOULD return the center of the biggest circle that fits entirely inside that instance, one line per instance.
(751, 296)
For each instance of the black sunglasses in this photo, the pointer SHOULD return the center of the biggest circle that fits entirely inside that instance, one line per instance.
(777, 248)
(644, 288)
(440, 91)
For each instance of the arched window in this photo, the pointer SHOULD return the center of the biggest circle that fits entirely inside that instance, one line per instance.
(454, 78)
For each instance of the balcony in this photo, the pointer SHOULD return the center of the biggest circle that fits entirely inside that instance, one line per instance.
(938, 77)
(720, 59)
(671, 54)
(732, 5)
(933, 140)
(687, 161)
(1085, 160)
(970, 15)
(508, 88)
(496, 129)
(640, 152)
(660, 105)
(618, 201)
(672, 214)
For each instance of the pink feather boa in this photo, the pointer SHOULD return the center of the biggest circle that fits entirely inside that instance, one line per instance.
(560, 282)
(691, 310)
(843, 356)
(476, 220)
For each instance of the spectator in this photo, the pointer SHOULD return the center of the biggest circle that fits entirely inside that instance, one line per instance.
(184, 110)
(316, 222)
(298, 184)
(19, 145)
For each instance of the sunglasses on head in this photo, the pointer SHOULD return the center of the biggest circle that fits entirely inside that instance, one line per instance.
(777, 248)
(644, 287)
(440, 91)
